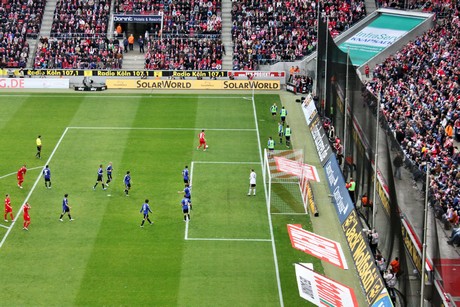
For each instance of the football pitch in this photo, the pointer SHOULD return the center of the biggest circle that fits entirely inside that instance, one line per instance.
(235, 251)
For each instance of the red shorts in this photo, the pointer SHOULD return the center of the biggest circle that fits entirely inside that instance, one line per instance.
(27, 218)
(8, 210)
(202, 142)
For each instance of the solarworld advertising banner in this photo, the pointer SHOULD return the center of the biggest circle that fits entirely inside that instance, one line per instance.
(193, 84)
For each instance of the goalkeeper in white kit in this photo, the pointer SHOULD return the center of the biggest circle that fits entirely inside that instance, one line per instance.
(252, 183)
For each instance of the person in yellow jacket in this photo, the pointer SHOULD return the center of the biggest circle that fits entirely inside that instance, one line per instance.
(351, 186)
(38, 141)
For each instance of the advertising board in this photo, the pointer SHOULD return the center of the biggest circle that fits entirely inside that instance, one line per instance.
(22, 83)
(193, 84)
(364, 260)
(316, 245)
(321, 290)
(340, 197)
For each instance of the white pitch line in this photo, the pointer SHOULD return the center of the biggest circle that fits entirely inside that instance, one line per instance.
(280, 213)
(162, 128)
(33, 188)
(275, 258)
(1, 225)
(228, 239)
(29, 169)
(224, 162)
(191, 178)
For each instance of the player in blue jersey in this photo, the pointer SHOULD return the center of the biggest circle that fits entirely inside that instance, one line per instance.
(47, 176)
(127, 181)
(185, 203)
(65, 208)
(187, 193)
(185, 175)
(109, 170)
(146, 210)
(100, 173)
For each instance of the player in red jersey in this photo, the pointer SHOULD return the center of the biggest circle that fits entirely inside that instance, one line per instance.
(202, 138)
(26, 216)
(21, 172)
(8, 209)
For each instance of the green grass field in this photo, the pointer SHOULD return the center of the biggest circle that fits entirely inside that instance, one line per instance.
(223, 257)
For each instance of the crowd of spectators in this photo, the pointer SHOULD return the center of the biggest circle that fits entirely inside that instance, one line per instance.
(442, 8)
(80, 18)
(19, 19)
(191, 35)
(184, 54)
(420, 99)
(267, 31)
(78, 53)
(190, 17)
(78, 38)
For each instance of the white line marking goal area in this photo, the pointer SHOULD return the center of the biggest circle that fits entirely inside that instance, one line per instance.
(193, 174)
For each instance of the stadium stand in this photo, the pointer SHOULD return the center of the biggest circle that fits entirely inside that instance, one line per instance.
(79, 53)
(80, 18)
(191, 34)
(78, 38)
(441, 8)
(420, 99)
(180, 17)
(268, 31)
(184, 54)
(19, 19)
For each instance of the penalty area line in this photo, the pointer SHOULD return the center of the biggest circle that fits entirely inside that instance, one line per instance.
(224, 162)
(7, 227)
(281, 213)
(228, 239)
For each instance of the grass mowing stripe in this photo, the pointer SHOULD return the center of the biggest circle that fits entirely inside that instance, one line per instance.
(275, 258)
(32, 190)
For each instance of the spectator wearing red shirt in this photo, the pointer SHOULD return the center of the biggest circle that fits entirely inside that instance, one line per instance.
(395, 266)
